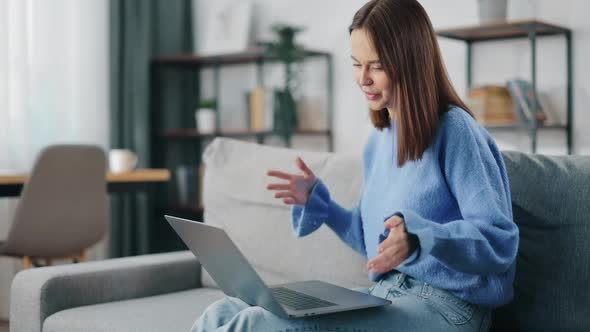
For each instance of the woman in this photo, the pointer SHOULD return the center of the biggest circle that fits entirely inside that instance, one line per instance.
(434, 217)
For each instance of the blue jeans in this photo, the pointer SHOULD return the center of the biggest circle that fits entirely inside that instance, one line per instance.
(416, 306)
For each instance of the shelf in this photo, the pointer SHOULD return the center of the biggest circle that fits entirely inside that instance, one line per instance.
(249, 56)
(502, 30)
(194, 134)
(521, 127)
(312, 132)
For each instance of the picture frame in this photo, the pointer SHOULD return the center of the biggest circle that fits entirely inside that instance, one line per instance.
(227, 27)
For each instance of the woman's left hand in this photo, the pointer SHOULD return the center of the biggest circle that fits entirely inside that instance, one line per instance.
(394, 249)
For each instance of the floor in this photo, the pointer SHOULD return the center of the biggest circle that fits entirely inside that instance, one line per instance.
(3, 326)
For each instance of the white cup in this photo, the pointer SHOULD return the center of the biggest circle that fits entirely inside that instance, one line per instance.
(121, 160)
(205, 118)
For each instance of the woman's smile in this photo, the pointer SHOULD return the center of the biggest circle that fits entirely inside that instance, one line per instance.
(372, 96)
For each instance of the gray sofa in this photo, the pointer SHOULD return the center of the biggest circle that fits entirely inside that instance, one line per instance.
(167, 292)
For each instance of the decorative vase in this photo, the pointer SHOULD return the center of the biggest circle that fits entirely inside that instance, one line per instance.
(285, 119)
(289, 53)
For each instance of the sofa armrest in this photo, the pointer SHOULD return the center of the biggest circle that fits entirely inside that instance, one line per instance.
(38, 293)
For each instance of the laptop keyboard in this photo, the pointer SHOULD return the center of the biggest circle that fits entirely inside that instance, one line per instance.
(298, 301)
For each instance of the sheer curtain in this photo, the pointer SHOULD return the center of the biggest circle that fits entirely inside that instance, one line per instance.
(14, 80)
(53, 89)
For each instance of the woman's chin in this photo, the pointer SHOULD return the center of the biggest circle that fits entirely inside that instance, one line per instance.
(375, 106)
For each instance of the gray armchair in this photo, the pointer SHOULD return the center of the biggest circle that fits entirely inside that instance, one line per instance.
(63, 207)
(144, 293)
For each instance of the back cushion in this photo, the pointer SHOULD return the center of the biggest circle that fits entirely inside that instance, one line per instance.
(551, 203)
(235, 198)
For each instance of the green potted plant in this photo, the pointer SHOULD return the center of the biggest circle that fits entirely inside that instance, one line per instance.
(209, 103)
(284, 49)
(205, 115)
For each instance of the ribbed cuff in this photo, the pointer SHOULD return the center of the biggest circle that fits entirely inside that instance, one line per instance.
(309, 217)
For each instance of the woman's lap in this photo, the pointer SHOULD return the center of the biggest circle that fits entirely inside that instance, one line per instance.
(415, 307)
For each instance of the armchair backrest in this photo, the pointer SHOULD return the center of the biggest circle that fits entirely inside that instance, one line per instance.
(551, 206)
(235, 198)
(63, 208)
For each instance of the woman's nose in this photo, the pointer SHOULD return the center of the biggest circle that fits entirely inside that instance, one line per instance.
(365, 79)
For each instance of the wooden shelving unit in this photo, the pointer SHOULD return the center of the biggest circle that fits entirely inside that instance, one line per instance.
(188, 136)
(259, 58)
(531, 30)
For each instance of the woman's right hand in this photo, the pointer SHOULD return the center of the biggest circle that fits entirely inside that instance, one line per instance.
(298, 189)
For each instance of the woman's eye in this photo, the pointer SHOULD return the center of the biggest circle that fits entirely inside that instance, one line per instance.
(377, 68)
(356, 65)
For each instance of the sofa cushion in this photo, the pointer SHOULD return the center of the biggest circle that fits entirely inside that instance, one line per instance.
(551, 205)
(169, 312)
(235, 198)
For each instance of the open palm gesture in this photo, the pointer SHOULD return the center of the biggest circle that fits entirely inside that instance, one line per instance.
(298, 187)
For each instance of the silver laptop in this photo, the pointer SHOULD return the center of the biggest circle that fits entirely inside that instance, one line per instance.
(235, 276)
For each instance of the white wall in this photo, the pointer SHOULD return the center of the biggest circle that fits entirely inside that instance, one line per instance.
(326, 25)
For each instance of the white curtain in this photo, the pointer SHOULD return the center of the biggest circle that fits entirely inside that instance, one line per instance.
(14, 94)
(14, 80)
(53, 89)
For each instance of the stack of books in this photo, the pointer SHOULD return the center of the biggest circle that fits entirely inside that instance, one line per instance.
(525, 102)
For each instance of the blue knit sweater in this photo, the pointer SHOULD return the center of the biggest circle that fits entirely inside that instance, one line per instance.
(455, 199)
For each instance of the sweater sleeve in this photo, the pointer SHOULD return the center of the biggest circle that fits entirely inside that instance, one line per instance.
(321, 209)
(485, 240)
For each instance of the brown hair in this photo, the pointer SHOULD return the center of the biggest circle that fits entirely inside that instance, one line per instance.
(406, 44)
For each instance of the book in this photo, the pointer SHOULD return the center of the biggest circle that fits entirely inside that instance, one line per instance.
(261, 108)
(525, 100)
